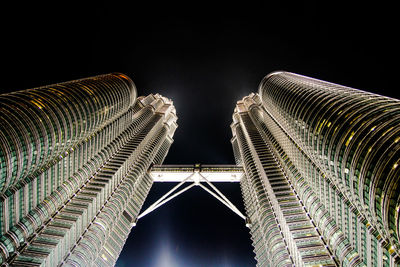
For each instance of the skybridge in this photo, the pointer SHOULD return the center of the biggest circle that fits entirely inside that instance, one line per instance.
(196, 175)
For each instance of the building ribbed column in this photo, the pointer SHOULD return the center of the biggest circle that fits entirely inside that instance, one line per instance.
(272, 204)
(344, 143)
(269, 244)
(330, 233)
(40, 124)
(43, 212)
(45, 173)
(87, 199)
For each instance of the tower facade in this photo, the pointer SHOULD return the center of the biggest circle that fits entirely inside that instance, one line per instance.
(321, 164)
(317, 165)
(74, 161)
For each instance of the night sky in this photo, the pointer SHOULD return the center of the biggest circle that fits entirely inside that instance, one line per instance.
(205, 57)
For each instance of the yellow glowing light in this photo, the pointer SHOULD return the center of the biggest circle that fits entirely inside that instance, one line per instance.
(355, 119)
(123, 76)
(388, 130)
(37, 103)
(104, 257)
(320, 125)
(335, 129)
(397, 139)
(395, 165)
(351, 137)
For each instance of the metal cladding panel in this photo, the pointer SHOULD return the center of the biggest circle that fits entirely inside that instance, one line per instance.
(41, 124)
(339, 148)
(96, 143)
(352, 136)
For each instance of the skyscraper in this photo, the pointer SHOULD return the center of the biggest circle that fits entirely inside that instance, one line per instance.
(321, 164)
(74, 161)
(317, 164)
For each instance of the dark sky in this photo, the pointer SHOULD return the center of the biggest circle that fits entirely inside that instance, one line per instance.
(205, 56)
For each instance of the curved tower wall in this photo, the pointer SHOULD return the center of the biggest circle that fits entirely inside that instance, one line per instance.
(340, 149)
(49, 132)
(80, 205)
(41, 124)
(282, 229)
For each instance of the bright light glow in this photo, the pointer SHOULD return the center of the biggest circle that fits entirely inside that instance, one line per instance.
(166, 256)
(351, 137)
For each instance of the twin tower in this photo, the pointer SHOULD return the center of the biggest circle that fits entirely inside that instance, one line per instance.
(320, 171)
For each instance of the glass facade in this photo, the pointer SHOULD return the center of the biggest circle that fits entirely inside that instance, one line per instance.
(323, 157)
(320, 162)
(74, 168)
